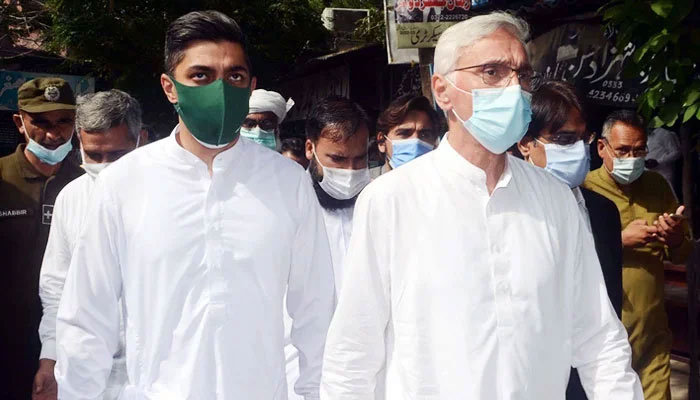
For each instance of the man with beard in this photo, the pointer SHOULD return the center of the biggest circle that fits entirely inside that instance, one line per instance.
(337, 133)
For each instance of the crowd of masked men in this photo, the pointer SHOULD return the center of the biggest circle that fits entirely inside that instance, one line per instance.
(483, 260)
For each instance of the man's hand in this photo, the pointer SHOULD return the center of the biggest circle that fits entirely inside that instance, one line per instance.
(45, 387)
(638, 233)
(670, 228)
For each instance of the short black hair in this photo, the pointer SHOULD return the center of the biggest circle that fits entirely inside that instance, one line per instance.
(399, 108)
(211, 26)
(293, 145)
(343, 114)
(550, 104)
(627, 117)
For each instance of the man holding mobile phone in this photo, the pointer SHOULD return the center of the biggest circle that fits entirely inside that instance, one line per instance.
(654, 230)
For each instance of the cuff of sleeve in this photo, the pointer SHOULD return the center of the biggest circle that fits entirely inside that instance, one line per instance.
(48, 350)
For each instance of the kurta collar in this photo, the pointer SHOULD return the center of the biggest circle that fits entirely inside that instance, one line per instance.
(25, 168)
(224, 158)
(608, 181)
(578, 195)
(458, 164)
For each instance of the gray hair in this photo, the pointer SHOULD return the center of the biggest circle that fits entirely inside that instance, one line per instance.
(627, 117)
(98, 112)
(465, 33)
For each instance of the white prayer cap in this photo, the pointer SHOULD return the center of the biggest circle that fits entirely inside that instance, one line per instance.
(262, 100)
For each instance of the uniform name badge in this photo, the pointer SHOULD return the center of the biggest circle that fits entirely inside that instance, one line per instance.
(15, 212)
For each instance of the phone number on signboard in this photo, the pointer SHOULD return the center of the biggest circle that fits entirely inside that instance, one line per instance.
(616, 97)
(448, 18)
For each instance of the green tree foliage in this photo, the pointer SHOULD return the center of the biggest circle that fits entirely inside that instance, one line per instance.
(122, 40)
(20, 20)
(667, 51)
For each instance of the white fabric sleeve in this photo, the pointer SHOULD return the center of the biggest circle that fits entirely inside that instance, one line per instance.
(601, 349)
(310, 291)
(54, 268)
(355, 347)
(87, 324)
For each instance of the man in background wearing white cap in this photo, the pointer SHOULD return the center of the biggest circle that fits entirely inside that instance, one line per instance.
(267, 110)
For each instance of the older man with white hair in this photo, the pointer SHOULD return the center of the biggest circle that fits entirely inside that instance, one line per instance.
(267, 110)
(109, 126)
(471, 274)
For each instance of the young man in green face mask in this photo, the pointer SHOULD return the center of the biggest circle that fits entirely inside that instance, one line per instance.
(204, 237)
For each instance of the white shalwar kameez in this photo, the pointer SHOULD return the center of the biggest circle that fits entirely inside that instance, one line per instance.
(339, 228)
(203, 263)
(68, 218)
(466, 295)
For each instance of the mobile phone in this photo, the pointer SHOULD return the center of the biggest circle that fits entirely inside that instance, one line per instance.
(677, 217)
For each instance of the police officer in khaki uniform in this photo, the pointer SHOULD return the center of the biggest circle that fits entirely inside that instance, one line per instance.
(30, 180)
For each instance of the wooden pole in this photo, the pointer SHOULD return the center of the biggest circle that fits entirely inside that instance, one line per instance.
(693, 263)
(688, 179)
(691, 273)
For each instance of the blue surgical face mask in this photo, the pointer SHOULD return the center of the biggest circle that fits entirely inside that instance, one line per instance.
(47, 156)
(626, 170)
(260, 136)
(500, 116)
(405, 150)
(570, 164)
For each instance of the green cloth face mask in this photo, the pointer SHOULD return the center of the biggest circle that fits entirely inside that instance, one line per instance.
(213, 113)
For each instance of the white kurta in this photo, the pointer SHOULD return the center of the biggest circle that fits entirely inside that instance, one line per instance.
(467, 295)
(338, 227)
(69, 214)
(203, 264)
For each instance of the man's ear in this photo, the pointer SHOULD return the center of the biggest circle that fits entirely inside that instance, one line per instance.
(381, 142)
(524, 146)
(17, 119)
(309, 149)
(439, 85)
(601, 148)
(169, 88)
(253, 84)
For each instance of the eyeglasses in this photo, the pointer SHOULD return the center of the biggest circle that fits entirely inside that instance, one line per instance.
(264, 124)
(567, 139)
(627, 151)
(500, 75)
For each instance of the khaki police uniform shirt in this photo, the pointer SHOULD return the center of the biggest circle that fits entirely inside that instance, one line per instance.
(26, 207)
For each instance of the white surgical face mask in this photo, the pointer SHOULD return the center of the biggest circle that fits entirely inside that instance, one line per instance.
(343, 184)
(94, 169)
